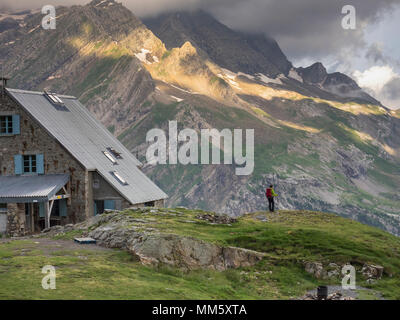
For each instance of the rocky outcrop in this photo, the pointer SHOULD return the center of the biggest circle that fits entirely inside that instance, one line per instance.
(218, 219)
(372, 271)
(189, 253)
(151, 247)
(333, 270)
(317, 269)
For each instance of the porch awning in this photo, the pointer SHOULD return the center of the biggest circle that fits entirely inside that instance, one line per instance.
(26, 189)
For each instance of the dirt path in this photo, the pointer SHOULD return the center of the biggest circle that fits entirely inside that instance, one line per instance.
(49, 245)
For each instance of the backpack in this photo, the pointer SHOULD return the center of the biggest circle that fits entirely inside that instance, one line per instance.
(269, 193)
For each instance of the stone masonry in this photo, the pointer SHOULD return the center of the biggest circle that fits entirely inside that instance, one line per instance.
(34, 139)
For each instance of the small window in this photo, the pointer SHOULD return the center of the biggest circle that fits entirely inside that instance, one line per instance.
(110, 157)
(6, 125)
(119, 177)
(29, 164)
(96, 183)
(3, 207)
(150, 204)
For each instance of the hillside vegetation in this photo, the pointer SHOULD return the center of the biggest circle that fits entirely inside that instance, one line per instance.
(288, 239)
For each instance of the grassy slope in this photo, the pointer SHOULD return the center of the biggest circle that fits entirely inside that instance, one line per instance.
(287, 238)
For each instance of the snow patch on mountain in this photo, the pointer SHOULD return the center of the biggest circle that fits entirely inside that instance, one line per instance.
(142, 56)
(267, 80)
(294, 75)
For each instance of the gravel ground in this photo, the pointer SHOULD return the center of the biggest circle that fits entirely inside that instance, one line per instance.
(51, 245)
(346, 293)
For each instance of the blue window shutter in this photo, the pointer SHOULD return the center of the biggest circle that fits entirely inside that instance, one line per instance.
(109, 204)
(18, 164)
(40, 163)
(16, 124)
(63, 207)
(41, 210)
(95, 208)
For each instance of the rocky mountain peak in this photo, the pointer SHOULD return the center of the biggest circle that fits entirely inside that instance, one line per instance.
(336, 83)
(314, 74)
(188, 49)
(229, 49)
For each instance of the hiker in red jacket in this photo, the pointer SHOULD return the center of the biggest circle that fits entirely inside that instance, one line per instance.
(270, 194)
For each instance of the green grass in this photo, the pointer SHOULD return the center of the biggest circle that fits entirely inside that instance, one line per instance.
(294, 236)
(113, 274)
(287, 239)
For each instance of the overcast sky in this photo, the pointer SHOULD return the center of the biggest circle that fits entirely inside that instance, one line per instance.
(307, 30)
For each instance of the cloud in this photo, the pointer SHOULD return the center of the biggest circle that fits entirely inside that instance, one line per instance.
(307, 27)
(382, 82)
(392, 89)
(375, 53)
(375, 78)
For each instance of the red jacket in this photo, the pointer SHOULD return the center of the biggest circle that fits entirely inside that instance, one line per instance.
(269, 193)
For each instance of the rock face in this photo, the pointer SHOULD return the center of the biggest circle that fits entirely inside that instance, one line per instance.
(314, 74)
(333, 270)
(189, 253)
(219, 219)
(372, 271)
(150, 247)
(317, 269)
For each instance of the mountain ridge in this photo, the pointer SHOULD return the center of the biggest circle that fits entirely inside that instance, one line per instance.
(245, 52)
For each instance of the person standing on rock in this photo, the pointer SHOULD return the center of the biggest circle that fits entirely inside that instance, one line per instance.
(270, 194)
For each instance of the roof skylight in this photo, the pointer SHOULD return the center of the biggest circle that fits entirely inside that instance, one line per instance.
(110, 157)
(54, 98)
(115, 153)
(55, 101)
(119, 178)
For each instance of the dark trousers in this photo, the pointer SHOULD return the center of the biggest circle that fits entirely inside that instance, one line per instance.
(271, 204)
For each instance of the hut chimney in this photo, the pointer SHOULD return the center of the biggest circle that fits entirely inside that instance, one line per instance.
(3, 83)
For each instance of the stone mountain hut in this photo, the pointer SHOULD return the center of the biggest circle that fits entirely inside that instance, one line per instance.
(59, 165)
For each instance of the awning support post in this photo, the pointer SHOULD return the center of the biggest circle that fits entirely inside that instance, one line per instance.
(32, 217)
(47, 212)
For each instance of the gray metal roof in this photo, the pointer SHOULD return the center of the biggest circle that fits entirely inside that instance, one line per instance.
(24, 189)
(86, 139)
